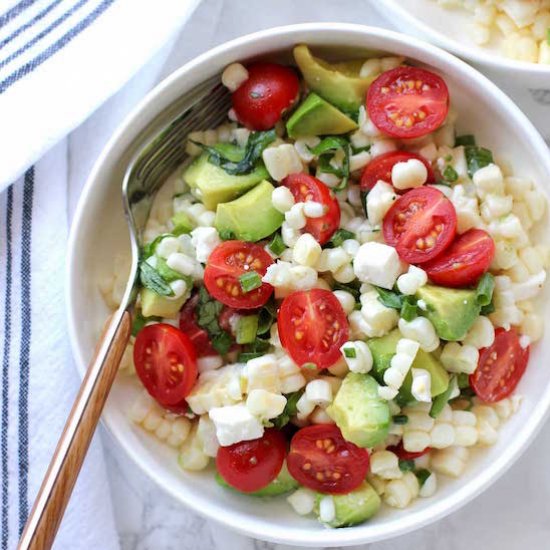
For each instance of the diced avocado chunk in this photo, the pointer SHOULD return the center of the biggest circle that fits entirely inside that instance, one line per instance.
(338, 83)
(155, 305)
(317, 117)
(383, 349)
(362, 416)
(182, 224)
(452, 311)
(352, 508)
(251, 217)
(283, 483)
(216, 185)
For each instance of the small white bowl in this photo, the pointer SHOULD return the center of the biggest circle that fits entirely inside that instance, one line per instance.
(99, 232)
(527, 83)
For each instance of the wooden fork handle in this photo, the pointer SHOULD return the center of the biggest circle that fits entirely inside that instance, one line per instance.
(56, 489)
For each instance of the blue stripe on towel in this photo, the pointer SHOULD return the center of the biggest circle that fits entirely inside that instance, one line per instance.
(30, 23)
(15, 11)
(24, 354)
(5, 374)
(54, 48)
(42, 33)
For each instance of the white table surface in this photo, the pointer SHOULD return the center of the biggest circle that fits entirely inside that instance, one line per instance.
(514, 513)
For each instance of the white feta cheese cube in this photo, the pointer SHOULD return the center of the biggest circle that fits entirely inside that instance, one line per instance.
(235, 423)
(378, 264)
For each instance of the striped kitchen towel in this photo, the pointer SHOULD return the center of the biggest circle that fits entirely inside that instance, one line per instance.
(61, 59)
(38, 382)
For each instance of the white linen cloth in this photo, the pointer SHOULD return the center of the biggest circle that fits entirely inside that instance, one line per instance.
(512, 514)
(61, 59)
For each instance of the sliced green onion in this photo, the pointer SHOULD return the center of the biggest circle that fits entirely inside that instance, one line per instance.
(450, 174)
(440, 401)
(484, 290)
(400, 419)
(250, 281)
(350, 353)
(409, 310)
(247, 328)
(277, 246)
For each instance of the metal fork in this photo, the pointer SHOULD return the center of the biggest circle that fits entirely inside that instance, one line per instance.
(203, 107)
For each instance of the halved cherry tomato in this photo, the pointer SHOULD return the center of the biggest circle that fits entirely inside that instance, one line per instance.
(312, 327)
(399, 450)
(408, 102)
(188, 325)
(227, 263)
(307, 188)
(500, 367)
(464, 262)
(322, 460)
(379, 168)
(166, 363)
(269, 90)
(251, 465)
(420, 224)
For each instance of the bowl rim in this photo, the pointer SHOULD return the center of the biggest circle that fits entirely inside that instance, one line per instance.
(481, 56)
(238, 521)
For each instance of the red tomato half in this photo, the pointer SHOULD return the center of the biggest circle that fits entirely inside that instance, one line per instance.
(399, 450)
(227, 263)
(379, 168)
(165, 362)
(269, 90)
(307, 188)
(464, 262)
(408, 102)
(420, 224)
(188, 325)
(322, 460)
(312, 327)
(251, 465)
(500, 367)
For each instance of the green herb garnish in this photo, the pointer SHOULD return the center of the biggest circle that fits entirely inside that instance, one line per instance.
(422, 475)
(466, 139)
(406, 465)
(400, 419)
(340, 236)
(289, 411)
(450, 174)
(407, 305)
(150, 278)
(325, 151)
(250, 281)
(222, 342)
(139, 321)
(277, 246)
(477, 157)
(350, 353)
(255, 145)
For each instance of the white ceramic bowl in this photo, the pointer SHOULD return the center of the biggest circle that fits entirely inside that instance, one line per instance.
(527, 83)
(99, 232)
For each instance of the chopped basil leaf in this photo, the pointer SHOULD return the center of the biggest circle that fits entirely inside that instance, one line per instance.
(422, 475)
(222, 342)
(350, 353)
(450, 174)
(400, 419)
(256, 143)
(266, 317)
(477, 157)
(277, 246)
(340, 236)
(484, 290)
(289, 411)
(353, 288)
(409, 309)
(325, 150)
(150, 278)
(389, 298)
(250, 281)
(149, 249)
(258, 348)
(226, 235)
(467, 139)
(406, 465)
